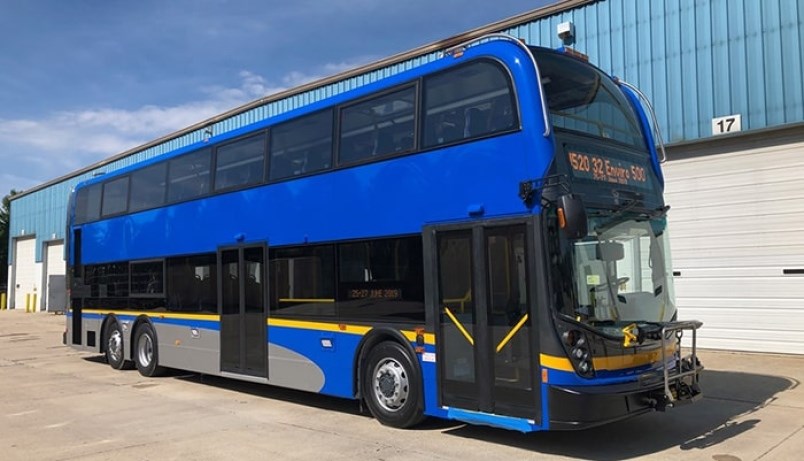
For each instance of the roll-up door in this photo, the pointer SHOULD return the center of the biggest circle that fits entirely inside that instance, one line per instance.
(25, 283)
(56, 297)
(737, 237)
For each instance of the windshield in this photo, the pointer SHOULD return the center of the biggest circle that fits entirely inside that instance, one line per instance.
(583, 99)
(620, 272)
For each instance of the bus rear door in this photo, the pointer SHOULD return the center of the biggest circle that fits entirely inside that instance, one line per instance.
(242, 297)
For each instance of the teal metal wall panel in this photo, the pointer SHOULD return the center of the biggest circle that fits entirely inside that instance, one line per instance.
(694, 59)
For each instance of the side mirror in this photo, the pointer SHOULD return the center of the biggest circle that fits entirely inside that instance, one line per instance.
(572, 216)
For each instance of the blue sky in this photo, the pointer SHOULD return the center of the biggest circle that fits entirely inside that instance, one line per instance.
(83, 80)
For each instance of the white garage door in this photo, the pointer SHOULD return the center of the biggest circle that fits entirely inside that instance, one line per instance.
(55, 297)
(24, 271)
(737, 237)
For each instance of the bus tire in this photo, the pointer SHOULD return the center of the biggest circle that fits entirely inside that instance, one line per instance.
(392, 386)
(115, 349)
(146, 352)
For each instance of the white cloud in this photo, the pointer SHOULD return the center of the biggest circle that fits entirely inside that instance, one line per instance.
(68, 140)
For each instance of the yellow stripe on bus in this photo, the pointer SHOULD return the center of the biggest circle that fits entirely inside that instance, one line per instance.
(321, 326)
(618, 362)
(429, 338)
(556, 363)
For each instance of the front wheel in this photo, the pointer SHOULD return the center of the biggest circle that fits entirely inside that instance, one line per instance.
(392, 386)
(146, 353)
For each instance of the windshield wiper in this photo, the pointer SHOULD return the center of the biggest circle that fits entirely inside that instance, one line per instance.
(625, 208)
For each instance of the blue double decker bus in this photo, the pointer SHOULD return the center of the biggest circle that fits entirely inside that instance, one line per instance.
(482, 238)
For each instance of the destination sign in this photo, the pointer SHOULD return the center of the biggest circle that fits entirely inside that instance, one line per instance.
(608, 169)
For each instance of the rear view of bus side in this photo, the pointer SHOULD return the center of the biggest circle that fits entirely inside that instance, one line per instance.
(481, 238)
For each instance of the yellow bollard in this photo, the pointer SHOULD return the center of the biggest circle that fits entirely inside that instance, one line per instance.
(2, 301)
(27, 303)
(34, 306)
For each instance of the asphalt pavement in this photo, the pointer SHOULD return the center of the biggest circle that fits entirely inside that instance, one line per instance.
(60, 404)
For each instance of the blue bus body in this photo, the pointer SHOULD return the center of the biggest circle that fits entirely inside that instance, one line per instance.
(464, 191)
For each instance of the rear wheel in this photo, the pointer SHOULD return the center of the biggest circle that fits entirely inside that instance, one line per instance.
(392, 386)
(115, 349)
(146, 353)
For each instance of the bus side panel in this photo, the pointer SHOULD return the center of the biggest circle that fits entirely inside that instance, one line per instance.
(91, 324)
(191, 345)
(296, 353)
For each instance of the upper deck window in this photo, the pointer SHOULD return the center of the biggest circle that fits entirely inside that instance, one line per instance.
(115, 196)
(581, 98)
(188, 176)
(148, 187)
(87, 204)
(301, 146)
(468, 102)
(378, 127)
(240, 163)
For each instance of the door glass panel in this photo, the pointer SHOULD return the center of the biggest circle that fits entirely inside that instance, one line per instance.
(230, 310)
(508, 308)
(254, 309)
(457, 307)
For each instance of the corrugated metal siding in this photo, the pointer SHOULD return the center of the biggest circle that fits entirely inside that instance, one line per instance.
(695, 60)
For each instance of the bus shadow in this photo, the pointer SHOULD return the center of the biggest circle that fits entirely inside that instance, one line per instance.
(323, 402)
(730, 400)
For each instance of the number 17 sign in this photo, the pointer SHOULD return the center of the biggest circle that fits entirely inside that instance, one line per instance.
(727, 124)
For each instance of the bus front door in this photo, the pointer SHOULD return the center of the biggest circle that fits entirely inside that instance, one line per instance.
(242, 297)
(485, 344)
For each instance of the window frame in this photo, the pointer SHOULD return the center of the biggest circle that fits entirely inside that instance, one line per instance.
(122, 178)
(516, 122)
(131, 265)
(332, 144)
(140, 171)
(88, 191)
(207, 193)
(172, 261)
(414, 148)
(308, 250)
(230, 142)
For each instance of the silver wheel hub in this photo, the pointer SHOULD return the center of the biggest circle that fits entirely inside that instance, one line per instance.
(390, 384)
(145, 350)
(115, 346)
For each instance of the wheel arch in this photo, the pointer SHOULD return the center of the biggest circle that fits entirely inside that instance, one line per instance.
(371, 339)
